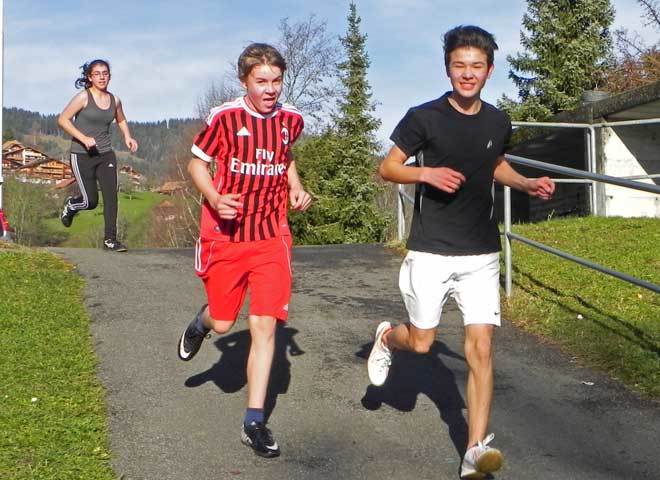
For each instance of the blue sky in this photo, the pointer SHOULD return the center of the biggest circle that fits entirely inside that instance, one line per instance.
(165, 54)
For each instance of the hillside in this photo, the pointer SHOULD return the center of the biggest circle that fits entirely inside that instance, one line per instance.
(157, 140)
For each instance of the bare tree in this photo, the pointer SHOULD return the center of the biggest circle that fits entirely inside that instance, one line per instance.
(217, 94)
(311, 81)
(651, 12)
(635, 63)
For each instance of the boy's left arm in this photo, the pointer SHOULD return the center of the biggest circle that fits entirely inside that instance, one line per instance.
(300, 199)
(541, 187)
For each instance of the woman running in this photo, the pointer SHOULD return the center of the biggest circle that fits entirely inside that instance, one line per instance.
(87, 119)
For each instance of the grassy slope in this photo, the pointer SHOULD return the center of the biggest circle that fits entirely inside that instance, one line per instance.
(134, 218)
(52, 408)
(619, 328)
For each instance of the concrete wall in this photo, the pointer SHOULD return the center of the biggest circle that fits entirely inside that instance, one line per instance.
(627, 151)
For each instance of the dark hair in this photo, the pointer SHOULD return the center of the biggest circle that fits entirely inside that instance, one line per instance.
(83, 81)
(470, 36)
(259, 54)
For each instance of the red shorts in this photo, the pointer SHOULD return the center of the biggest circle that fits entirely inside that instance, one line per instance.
(228, 269)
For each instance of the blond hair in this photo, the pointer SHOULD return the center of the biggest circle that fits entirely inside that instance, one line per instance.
(259, 54)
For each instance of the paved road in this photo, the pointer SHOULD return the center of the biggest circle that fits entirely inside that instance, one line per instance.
(176, 420)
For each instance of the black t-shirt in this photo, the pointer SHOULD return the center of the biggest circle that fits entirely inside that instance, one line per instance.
(461, 223)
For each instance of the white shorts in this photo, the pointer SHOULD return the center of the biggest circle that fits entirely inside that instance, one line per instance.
(427, 280)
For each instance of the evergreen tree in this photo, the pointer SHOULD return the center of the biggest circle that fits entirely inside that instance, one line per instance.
(8, 134)
(356, 147)
(566, 44)
(338, 167)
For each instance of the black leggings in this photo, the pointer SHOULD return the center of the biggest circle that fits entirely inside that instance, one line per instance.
(88, 169)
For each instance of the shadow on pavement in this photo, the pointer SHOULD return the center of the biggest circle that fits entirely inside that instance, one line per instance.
(229, 372)
(412, 374)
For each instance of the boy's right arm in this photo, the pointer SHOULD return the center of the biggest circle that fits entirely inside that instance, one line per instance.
(442, 178)
(226, 205)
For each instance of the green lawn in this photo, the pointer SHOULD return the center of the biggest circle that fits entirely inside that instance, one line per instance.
(52, 408)
(133, 221)
(605, 322)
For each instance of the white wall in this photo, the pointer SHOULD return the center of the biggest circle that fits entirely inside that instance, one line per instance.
(627, 151)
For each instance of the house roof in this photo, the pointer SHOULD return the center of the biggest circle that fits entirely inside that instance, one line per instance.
(566, 146)
(15, 145)
(40, 161)
(169, 187)
(637, 104)
(12, 143)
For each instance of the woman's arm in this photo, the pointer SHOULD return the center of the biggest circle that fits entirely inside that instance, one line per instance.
(123, 126)
(76, 104)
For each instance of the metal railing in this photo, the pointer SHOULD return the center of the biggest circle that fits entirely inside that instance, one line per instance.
(590, 130)
(580, 174)
(2, 103)
(580, 177)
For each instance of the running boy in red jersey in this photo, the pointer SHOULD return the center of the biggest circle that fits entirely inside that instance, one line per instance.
(245, 240)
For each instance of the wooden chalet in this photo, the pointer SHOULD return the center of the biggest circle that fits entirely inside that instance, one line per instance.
(27, 164)
(170, 188)
(133, 175)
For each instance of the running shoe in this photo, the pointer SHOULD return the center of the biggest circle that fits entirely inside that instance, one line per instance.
(260, 439)
(113, 245)
(67, 213)
(380, 357)
(191, 339)
(481, 460)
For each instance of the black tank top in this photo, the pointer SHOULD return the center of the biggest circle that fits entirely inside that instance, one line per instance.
(94, 122)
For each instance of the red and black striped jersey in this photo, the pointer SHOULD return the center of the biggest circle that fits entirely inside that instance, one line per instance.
(251, 154)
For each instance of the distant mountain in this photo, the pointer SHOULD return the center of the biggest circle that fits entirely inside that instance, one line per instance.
(157, 140)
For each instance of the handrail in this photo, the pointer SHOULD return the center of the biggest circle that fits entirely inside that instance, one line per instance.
(591, 150)
(582, 176)
(509, 235)
(586, 263)
(591, 143)
(574, 172)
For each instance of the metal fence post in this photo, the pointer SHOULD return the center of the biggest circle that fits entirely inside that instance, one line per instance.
(507, 242)
(2, 61)
(593, 169)
(401, 220)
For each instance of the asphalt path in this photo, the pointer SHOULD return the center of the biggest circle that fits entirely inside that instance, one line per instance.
(169, 419)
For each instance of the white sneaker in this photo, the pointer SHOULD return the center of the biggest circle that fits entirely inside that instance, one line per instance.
(481, 460)
(380, 357)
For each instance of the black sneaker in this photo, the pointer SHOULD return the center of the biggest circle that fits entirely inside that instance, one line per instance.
(67, 213)
(113, 245)
(191, 339)
(258, 437)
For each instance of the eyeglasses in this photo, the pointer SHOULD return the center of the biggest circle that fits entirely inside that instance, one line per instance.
(100, 74)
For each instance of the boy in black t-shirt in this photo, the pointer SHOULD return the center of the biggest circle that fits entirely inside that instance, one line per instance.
(454, 243)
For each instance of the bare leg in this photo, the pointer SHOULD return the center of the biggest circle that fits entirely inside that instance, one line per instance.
(218, 326)
(479, 356)
(260, 359)
(410, 338)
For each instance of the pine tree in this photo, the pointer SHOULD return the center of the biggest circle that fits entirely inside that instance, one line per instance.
(566, 44)
(357, 147)
(338, 167)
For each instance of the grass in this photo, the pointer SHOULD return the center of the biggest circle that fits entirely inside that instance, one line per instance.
(606, 323)
(52, 408)
(134, 218)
